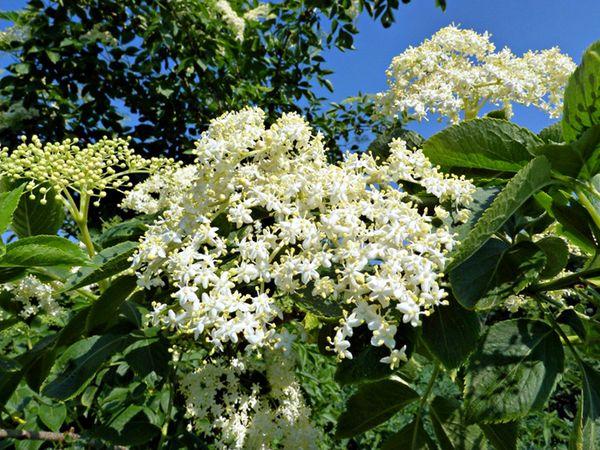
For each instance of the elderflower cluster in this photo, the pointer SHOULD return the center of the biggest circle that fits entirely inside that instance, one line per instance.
(459, 70)
(62, 166)
(237, 23)
(265, 219)
(34, 295)
(230, 401)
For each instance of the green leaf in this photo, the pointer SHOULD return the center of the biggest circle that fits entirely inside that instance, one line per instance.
(513, 371)
(8, 204)
(503, 436)
(149, 355)
(106, 263)
(412, 437)
(80, 363)
(557, 255)
(129, 230)
(451, 334)
(590, 418)
(530, 179)
(450, 428)
(52, 416)
(490, 275)
(552, 134)
(105, 308)
(31, 218)
(40, 251)
(373, 404)
(8, 365)
(366, 363)
(487, 143)
(364, 366)
(129, 427)
(577, 158)
(472, 279)
(582, 96)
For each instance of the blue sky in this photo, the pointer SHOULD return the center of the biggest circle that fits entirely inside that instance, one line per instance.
(519, 24)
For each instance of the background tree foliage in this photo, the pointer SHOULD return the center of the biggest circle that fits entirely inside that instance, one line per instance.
(159, 70)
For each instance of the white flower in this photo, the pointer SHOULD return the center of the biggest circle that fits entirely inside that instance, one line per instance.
(265, 212)
(458, 71)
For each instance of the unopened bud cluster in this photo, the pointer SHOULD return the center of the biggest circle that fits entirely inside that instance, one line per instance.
(90, 170)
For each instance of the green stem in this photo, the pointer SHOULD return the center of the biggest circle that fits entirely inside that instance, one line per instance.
(165, 427)
(428, 389)
(589, 206)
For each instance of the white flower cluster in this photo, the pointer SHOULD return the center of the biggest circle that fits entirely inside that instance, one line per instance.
(225, 402)
(34, 295)
(459, 70)
(237, 23)
(265, 217)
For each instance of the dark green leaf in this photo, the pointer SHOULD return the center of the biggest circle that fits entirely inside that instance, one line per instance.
(503, 436)
(149, 355)
(513, 371)
(105, 308)
(486, 143)
(450, 428)
(557, 255)
(590, 419)
(106, 263)
(552, 134)
(412, 437)
(531, 178)
(80, 363)
(373, 404)
(31, 218)
(451, 334)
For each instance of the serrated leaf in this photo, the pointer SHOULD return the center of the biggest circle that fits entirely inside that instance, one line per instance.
(129, 230)
(503, 436)
(582, 96)
(495, 272)
(31, 218)
(450, 428)
(531, 178)
(40, 251)
(148, 355)
(373, 404)
(412, 437)
(104, 309)
(81, 361)
(557, 255)
(8, 203)
(552, 134)
(451, 334)
(491, 144)
(106, 263)
(513, 371)
(590, 417)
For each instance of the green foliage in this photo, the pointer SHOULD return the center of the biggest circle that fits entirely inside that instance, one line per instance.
(531, 178)
(490, 144)
(373, 404)
(582, 96)
(41, 251)
(513, 371)
(451, 334)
